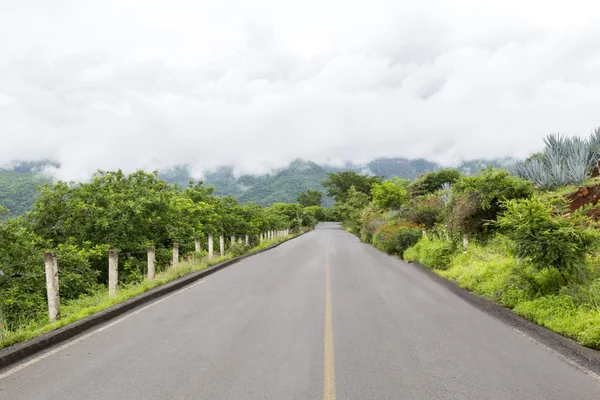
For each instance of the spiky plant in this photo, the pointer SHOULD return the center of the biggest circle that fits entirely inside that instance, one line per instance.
(564, 160)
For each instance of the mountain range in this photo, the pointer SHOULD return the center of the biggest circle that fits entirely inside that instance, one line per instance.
(18, 183)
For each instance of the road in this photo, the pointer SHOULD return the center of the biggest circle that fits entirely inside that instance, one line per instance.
(320, 317)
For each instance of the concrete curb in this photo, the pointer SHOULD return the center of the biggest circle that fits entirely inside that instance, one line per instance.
(568, 349)
(15, 353)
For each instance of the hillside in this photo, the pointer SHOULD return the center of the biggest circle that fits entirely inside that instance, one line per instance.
(282, 185)
(410, 169)
(18, 184)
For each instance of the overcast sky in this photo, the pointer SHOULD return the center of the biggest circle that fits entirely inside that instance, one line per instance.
(126, 84)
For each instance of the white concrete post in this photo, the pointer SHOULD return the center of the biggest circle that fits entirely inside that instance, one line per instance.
(151, 266)
(247, 240)
(198, 248)
(232, 239)
(424, 232)
(52, 286)
(113, 272)
(175, 254)
(466, 241)
(260, 237)
(210, 246)
(222, 245)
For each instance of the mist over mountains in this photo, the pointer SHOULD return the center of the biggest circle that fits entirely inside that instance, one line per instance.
(18, 181)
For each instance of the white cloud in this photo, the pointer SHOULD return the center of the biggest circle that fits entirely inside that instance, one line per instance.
(127, 84)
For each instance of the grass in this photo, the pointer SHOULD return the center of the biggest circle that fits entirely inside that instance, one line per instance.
(83, 307)
(492, 272)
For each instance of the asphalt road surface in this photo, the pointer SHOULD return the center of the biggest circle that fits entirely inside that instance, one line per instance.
(320, 317)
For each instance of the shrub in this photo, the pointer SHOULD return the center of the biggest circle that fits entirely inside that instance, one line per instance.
(433, 253)
(477, 200)
(548, 241)
(370, 220)
(394, 237)
(390, 194)
(424, 210)
(238, 249)
(431, 182)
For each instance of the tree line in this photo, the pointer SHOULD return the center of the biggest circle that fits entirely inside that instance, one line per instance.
(82, 221)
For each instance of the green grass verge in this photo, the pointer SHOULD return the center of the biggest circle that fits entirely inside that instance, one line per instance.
(493, 273)
(76, 310)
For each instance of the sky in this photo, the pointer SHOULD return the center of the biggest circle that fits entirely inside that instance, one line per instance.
(255, 84)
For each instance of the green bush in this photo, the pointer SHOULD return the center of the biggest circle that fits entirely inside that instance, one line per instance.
(238, 249)
(433, 253)
(477, 200)
(370, 220)
(424, 210)
(547, 240)
(394, 237)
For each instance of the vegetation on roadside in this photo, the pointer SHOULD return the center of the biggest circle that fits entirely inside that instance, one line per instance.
(76, 309)
(526, 238)
(80, 222)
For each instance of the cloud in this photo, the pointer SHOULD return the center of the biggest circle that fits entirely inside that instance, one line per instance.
(153, 84)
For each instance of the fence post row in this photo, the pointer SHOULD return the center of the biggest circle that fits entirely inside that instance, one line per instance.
(113, 272)
(52, 286)
(175, 254)
(151, 266)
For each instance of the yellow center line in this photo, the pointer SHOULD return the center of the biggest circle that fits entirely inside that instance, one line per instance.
(329, 360)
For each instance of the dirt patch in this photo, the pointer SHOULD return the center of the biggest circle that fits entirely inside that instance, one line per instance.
(583, 196)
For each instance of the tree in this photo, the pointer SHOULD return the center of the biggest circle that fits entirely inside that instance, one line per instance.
(433, 181)
(338, 184)
(477, 200)
(424, 210)
(310, 198)
(390, 194)
(547, 240)
(350, 211)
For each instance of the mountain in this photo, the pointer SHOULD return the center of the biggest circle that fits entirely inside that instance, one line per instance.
(282, 185)
(389, 167)
(410, 169)
(18, 183)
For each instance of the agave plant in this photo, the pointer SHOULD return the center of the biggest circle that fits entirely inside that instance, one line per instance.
(446, 190)
(564, 161)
